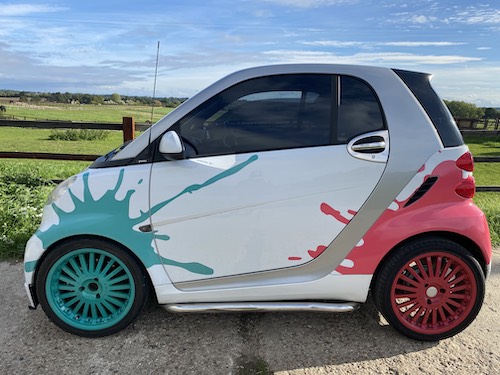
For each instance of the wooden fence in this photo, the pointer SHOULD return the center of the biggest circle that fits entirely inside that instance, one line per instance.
(474, 126)
(128, 127)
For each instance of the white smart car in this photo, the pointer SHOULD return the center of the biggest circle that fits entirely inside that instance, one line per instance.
(290, 187)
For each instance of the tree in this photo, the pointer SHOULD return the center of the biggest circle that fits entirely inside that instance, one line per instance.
(463, 109)
(491, 113)
(116, 98)
(86, 99)
(97, 99)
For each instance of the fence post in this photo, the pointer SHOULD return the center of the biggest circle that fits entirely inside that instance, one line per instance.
(128, 129)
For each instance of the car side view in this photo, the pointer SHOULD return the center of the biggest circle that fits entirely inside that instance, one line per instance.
(301, 187)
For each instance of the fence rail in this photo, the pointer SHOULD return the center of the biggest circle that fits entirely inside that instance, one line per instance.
(128, 122)
(475, 123)
(128, 127)
(46, 156)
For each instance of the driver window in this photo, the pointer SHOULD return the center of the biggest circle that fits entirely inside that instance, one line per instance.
(268, 113)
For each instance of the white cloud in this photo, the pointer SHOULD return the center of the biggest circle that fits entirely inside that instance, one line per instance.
(342, 44)
(474, 15)
(421, 44)
(25, 9)
(471, 84)
(310, 3)
(390, 58)
(482, 15)
(334, 43)
(419, 19)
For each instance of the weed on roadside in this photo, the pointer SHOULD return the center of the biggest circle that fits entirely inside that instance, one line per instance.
(246, 365)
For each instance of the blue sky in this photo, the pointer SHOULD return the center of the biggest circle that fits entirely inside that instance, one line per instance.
(110, 46)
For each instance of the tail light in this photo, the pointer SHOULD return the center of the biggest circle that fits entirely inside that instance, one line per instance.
(465, 162)
(467, 187)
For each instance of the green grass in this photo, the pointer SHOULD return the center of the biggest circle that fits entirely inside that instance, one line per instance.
(483, 145)
(24, 187)
(490, 204)
(487, 174)
(38, 140)
(85, 112)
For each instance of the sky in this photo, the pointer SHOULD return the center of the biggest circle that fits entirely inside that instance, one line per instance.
(103, 47)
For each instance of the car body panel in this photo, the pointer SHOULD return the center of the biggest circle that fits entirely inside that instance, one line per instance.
(254, 219)
(310, 223)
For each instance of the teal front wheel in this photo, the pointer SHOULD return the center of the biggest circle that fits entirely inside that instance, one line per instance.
(91, 287)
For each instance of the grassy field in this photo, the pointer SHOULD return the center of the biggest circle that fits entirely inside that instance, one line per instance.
(30, 181)
(37, 140)
(84, 112)
(486, 174)
(483, 146)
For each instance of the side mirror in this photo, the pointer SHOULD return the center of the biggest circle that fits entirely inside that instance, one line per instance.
(171, 146)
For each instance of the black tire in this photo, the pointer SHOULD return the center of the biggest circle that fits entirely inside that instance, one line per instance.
(430, 289)
(91, 288)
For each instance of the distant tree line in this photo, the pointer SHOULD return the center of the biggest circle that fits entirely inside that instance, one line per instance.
(457, 108)
(469, 110)
(72, 98)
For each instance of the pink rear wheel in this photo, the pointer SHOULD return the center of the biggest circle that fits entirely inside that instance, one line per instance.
(430, 289)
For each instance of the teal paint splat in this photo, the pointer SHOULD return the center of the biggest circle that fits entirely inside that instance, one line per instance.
(30, 266)
(190, 189)
(163, 237)
(109, 217)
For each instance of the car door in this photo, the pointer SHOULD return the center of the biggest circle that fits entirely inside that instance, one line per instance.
(275, 168)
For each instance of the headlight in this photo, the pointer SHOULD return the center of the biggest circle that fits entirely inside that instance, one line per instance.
(60, 190)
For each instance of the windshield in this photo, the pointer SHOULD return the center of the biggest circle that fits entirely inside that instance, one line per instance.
(112, 153)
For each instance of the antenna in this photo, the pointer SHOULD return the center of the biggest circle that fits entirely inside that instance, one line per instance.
(154, 86)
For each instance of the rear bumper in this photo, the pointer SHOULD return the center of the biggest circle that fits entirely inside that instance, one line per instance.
(488, 271)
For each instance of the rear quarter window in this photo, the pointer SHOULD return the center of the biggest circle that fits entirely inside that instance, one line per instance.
(420, 85)
(359, 110)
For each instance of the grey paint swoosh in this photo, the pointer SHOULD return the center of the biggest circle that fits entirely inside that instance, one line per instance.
(413, 140)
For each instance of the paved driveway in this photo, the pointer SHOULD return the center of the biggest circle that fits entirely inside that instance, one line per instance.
(285, 343)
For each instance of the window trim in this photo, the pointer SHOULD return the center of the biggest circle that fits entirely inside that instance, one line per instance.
(335, 97)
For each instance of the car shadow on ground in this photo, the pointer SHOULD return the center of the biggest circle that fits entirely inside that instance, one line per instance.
(287, 341)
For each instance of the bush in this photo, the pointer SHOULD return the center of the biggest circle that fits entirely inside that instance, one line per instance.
(22, 196)
(79, 135)
(24, 188)
(20, 217)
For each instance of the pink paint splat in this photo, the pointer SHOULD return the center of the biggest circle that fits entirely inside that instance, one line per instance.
(399, 222)
(428, 212)
(329, 210)
(316, 253)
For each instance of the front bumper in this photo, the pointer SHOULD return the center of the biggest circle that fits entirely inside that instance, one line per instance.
(33, 302)
(32, 254)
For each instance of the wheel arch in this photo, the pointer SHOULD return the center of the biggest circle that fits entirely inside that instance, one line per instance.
(58, 243)
(464, 241)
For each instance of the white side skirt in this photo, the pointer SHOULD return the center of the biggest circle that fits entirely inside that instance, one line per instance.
(332, 287)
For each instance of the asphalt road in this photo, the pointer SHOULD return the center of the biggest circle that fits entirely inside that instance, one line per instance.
(285, 343)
